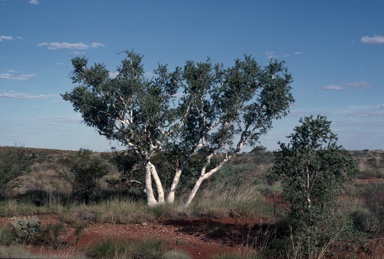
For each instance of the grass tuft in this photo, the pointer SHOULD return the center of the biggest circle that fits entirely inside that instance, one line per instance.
(111, 248)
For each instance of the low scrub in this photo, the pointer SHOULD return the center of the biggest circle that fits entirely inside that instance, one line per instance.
(29, 230)
(111, 248)
(110, 211)
(12, 208)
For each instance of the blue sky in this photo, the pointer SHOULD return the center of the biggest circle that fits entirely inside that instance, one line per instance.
(333, 49)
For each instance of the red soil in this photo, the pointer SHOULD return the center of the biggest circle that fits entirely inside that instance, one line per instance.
(199, 238)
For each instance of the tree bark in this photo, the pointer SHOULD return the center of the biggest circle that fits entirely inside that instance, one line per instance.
(151, 200)
(159, 186)
(203, 176)
(175, 183)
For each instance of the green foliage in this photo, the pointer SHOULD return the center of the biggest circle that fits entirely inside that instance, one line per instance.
(51, 234)
(14, 162)
(30, 231)
(108, 248)
(131, 180)
(27, 230)
(278, 248)
(83, 172)
(313, 169)
(7, 236)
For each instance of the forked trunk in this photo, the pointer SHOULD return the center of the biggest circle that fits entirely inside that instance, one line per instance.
(203, 176)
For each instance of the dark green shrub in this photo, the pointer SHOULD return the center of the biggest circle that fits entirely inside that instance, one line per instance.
(110, 248)
(365, 221)
(51, 234)
(83, 171)
(7, 236)
(217, 231)
(278, 248)
(150, 249)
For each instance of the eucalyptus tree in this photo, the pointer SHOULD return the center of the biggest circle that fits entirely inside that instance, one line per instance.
(198, 108)
(225, 109)
(129, 108)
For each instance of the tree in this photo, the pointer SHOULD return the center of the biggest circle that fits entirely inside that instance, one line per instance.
(224, 110)
(313, 169)
(14, 162)
(198, 109)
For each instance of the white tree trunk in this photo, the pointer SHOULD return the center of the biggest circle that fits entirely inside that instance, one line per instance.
(203, 176)
(151, 200)
(159, 186)
(175, 183)
(192, 194)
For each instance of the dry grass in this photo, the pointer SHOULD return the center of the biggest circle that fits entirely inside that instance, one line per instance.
(243, 201)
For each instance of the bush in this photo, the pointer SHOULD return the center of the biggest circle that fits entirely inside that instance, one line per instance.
(365, 221)
(110, 248)
(51, 234)
(27, 230)
(83, 171)
(7, 236)
(30, 231)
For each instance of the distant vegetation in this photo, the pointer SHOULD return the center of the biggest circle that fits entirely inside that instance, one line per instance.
(47, 181)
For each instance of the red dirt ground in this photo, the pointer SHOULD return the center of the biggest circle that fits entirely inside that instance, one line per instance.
(199, 238)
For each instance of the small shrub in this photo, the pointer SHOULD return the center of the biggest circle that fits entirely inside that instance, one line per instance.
(164, 211)
(150, 249)
(7, 236)
(30, 231)
(79, 228)
(86, 216)
(278, 248)
(217, 231)
(27, 230)
(51, 234)
(110, 248)
(173, 254)
(365, 221)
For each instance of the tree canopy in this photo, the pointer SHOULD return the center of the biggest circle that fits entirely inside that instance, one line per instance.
(200, 107)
